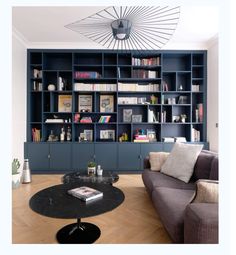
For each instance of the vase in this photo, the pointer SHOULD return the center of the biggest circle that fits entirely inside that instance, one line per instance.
(91, 171)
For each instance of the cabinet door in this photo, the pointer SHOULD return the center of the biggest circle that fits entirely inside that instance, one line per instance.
(146, 148)
(129, 157)
(167, 147)
(106, 155)
(82, 153)
(60, 157)
(38, 155)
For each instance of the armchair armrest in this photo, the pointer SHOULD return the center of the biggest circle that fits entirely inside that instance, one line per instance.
(146, 163)
(201, 223)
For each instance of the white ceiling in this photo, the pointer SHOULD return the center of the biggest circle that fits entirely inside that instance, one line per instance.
(197, 24)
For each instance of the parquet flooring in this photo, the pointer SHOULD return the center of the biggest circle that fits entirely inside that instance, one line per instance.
(134, 222)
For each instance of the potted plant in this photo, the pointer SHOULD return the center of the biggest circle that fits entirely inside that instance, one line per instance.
(183, 117)
(15, 174)
(91, 168)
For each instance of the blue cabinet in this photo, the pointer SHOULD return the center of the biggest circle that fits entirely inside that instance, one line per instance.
(60, 157)
(106, 155)
(82, 153)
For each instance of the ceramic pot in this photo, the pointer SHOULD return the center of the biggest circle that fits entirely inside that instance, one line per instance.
(91, 171)
(51, 87)
(16, 180)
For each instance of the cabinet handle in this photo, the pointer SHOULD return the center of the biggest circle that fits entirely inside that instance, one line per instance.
(49, 156)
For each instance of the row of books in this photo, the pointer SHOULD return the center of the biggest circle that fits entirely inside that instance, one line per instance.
(94, 87)
(141, 139)
(199, 113)
(144, 74)
(146, 61)
(87, 75)
(37, 86)
(195, 135)
(104, 119)
(131, 100)
(138, 87)
(171, 139)
(36, 135)
(195, 88)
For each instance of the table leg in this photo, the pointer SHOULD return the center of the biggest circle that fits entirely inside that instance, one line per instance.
(80, 232)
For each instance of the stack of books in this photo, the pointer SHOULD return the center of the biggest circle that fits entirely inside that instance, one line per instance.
(85, 193)
(36, 136)
(86, 120)
(104, 119)
(141, 139)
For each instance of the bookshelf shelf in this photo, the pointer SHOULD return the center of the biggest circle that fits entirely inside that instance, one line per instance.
(158, 88)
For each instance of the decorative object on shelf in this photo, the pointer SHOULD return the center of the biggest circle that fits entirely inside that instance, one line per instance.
(136, 118)
(52, 137)
(88, 133)
(175, 118)
(99, 170)
(62, 135)
(108, 134)
(85, 103)
(51, 87)
(91, 168)
(68, 134)
(106, 103)
(183, 118)
(26, 174)
(16, 176)
(127, 115)
(76, 118)
(64, 103)
(153, 99)
(124, 137)
(183, 100)
(180, 87)
(130, 27)
(151, 135)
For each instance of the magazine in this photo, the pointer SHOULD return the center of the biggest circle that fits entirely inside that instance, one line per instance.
(85, 193)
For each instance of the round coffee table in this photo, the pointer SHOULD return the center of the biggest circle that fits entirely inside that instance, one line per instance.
(55, 202)
(107, 177)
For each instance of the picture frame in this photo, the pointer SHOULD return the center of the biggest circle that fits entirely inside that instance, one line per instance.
(136, 118)
(151, 135)
(65, 103)
(85, 103)
(106, 103)
(107, 134)
(88, 133)
(127, 115)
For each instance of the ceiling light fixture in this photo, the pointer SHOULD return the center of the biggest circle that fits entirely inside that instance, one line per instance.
(130, 27)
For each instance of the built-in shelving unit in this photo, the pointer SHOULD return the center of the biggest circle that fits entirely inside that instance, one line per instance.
(113, 100)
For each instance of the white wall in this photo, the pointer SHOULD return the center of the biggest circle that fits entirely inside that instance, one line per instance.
(18, 97)
(212, 95)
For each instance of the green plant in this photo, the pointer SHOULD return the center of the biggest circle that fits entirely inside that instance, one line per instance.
(91, 164)
(15, 166)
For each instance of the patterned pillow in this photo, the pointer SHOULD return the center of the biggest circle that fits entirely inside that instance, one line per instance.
(206, 191)
(157, 159)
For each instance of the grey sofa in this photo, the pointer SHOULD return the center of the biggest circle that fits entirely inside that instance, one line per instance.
(184, 221)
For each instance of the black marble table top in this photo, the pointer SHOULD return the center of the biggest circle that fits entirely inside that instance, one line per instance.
(55, 202)
(107, 177)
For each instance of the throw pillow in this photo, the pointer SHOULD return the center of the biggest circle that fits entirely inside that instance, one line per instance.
(206, 191)
(180, 163)
(157, 159)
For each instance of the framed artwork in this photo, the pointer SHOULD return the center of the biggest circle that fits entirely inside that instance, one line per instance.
(127, 115)
(151, 134)
(137, 118)
(183, 100)
(88, 133)
(85, 103)
(107, 134)
(65, 103)
(106, 103)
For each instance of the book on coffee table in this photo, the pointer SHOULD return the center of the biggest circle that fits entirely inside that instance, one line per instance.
(85, 193)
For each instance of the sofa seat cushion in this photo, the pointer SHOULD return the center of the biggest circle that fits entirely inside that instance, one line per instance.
(156, 179)
(201, 223)
(170, 205)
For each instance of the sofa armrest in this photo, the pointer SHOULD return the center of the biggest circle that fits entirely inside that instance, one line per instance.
(146, 163)
(201, 223)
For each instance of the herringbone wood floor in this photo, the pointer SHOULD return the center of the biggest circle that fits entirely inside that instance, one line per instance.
(133, 222)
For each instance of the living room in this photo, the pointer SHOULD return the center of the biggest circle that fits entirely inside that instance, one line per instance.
(61, 127)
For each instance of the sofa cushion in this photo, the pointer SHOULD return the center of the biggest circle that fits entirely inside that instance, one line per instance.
(201, 223)
(202, 167)
(157, 179)
(180, 163)
(157, 159)
(206, 192)
(170, 205)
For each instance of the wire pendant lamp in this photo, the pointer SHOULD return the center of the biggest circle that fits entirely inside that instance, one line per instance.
(130, 27)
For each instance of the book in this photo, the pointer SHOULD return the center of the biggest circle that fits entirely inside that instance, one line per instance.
(85, 193)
